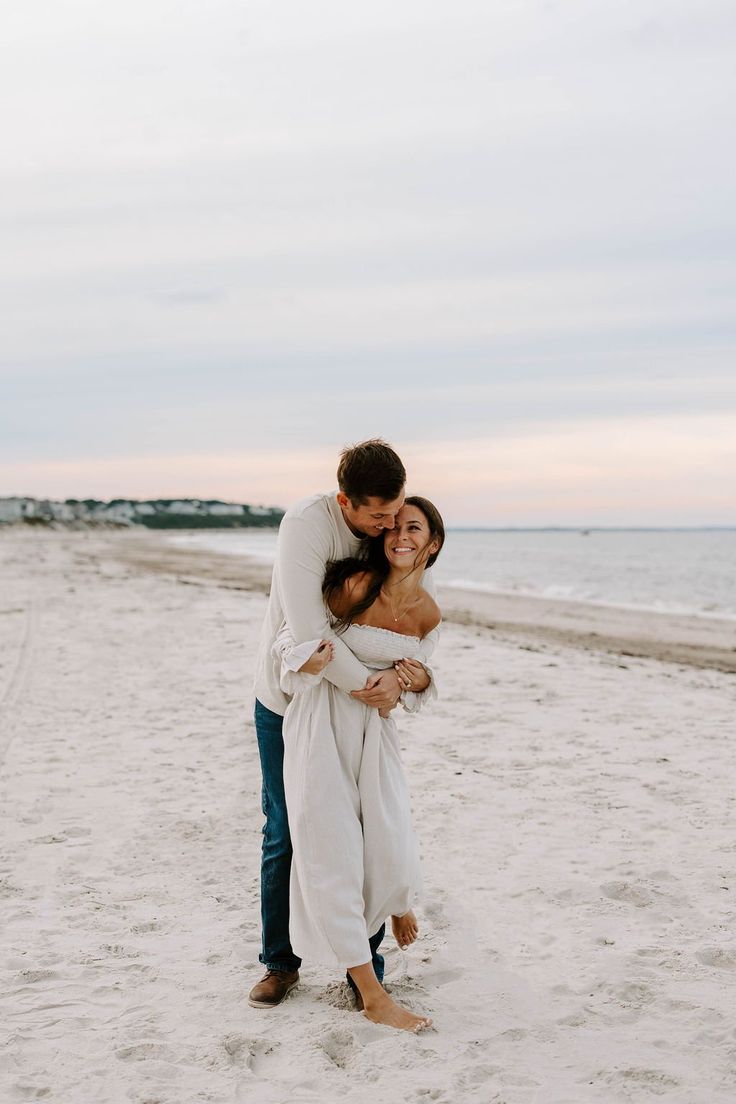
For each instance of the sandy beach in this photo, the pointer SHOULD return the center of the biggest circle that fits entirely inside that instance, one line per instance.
(572, 791)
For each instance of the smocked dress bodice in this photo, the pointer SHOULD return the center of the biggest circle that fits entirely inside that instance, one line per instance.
(380, 648)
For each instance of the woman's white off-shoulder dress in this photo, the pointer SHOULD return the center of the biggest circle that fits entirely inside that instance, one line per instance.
(356, 858)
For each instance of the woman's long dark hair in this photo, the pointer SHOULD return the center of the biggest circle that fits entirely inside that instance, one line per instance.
(371, 558)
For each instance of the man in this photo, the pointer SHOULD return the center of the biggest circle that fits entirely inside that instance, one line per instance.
(325, 527)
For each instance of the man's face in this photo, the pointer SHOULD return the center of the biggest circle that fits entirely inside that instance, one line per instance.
(370, 519)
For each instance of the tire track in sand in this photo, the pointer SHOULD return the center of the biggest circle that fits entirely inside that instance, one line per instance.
(17, 680)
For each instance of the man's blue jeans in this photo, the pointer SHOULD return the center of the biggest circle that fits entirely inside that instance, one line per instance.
(276, 953)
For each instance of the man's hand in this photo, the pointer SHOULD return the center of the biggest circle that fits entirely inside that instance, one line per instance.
(382, 691)
(412, 675)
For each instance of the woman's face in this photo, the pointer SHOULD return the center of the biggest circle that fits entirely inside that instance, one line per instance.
(409, 543)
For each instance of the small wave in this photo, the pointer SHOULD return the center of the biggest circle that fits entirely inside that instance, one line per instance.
(560, 593)
(231, 544)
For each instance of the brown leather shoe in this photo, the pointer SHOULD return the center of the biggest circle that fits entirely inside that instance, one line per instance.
(272, 988)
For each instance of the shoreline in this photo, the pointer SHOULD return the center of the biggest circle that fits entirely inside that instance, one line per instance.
(686, 639)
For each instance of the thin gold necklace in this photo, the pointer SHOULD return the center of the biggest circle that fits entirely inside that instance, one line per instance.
(398, 616)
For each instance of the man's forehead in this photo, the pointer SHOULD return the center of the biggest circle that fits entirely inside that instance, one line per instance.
(383, 506)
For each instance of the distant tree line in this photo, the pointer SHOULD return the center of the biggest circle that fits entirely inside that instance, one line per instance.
(209, 521)
(161, 513)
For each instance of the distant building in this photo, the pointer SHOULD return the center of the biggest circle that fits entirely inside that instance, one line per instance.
(61, 511)
(223, 509)
(13, 509)
(120, 512)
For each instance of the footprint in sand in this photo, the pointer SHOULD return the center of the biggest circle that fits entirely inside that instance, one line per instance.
(442, 976)
(719, 957)
(435, 914)
(31, 1092)
(243, 1050)
(480, 1077)
(117, 950)
(146, 926)
(38, 975)
(514, 1034)
(338, 1046)
(142, 1052)
(632, 994)
(628, 893)
(634, 1080)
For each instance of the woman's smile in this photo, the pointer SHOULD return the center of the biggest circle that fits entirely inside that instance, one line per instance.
(409, 537)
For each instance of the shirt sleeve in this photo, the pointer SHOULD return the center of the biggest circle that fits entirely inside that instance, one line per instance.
(302, 555)
(291, 656)
(429, 585)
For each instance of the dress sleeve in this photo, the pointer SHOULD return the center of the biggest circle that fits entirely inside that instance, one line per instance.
(302, 555)
(410, 701)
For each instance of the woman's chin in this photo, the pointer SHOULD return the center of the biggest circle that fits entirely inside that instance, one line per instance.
(402, 563)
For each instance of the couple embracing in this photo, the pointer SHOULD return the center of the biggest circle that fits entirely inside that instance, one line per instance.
(350, 629)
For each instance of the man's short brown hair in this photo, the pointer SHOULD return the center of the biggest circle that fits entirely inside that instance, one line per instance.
(370, 470)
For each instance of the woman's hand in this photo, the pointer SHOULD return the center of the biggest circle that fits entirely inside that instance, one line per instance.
(412, 675)
(318, 659)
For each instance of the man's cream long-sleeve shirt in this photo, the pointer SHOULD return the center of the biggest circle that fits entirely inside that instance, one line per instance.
(312, 533)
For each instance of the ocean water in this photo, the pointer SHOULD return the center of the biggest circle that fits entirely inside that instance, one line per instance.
(672, 571)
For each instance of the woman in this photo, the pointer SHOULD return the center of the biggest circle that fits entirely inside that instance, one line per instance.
(355, 855)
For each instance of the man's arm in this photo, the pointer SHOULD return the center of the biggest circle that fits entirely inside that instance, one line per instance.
(301, 558)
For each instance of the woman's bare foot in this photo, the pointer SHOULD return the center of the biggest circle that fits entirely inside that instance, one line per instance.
(359, 999)
(405, 929)
(378, 1005)
(382, 1009)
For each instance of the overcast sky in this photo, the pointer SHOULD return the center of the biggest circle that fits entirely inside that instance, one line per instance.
(237, 235)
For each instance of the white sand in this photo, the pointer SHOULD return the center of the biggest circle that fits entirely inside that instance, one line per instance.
(576, 812)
